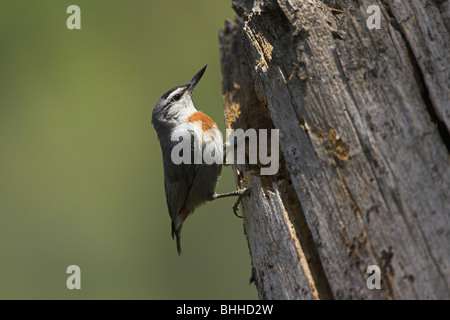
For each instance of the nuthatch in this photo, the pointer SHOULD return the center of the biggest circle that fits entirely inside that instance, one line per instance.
(188, 185)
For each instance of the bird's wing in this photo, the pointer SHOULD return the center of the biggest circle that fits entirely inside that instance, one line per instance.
(177, 182)
(177, 187)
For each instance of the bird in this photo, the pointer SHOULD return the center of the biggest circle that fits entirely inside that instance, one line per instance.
(188, 185)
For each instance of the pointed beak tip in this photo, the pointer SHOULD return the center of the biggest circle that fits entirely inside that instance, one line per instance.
(195, 80)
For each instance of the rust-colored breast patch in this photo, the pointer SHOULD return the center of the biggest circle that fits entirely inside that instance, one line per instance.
(207, 122)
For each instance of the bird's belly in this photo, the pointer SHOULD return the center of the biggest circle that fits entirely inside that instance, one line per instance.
(208, 172)
(204, 185)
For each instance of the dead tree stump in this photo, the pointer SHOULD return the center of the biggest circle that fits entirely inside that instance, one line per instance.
(363, 118)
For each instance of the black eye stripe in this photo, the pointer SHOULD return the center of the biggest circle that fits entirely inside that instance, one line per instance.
(181, 92)
(168, 93)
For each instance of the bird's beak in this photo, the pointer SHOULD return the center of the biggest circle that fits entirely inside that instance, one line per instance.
(191, 84)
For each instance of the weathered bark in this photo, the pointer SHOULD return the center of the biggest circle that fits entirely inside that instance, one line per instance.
(363, 116)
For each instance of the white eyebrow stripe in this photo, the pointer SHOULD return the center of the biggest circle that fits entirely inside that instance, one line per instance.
(179, 90)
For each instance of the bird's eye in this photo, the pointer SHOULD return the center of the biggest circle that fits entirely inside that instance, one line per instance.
(176, 97)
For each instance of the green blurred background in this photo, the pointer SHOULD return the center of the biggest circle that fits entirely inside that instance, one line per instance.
(81, 179)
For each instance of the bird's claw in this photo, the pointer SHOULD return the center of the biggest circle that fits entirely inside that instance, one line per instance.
(242, 193)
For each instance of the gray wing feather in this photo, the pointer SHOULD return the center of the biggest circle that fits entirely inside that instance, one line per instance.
(177, 182)
(177, 186)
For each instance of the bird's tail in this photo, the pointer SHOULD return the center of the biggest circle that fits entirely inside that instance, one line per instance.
(177, 223)
(176, 232)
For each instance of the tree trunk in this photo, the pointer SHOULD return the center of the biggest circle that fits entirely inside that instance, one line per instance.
(363, 118)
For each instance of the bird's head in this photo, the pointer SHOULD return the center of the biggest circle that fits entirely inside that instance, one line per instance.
(176, 106)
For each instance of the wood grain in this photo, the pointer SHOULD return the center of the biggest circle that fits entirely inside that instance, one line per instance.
(363, 120)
